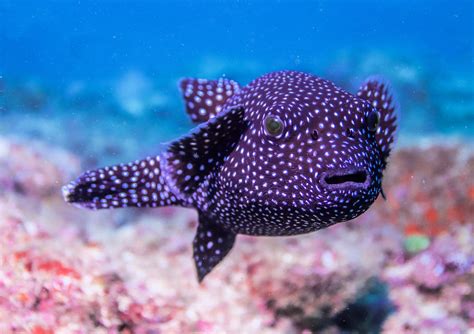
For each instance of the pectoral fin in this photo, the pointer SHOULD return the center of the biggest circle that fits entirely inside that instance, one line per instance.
(211, 244)
(194, 156)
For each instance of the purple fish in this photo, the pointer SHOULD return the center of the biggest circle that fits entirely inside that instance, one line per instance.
(290, 153)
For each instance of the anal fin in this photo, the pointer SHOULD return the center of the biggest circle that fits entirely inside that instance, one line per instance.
(211, 244)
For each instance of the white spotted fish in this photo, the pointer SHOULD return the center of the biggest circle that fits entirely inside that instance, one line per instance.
(289, 153)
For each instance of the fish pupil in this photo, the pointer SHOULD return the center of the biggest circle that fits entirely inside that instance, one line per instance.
(315, 134)
(350, 133)
(273, 125)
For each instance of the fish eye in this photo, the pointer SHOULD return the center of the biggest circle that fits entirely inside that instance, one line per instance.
(373, 121)
(273, 125)
(350, 133)
(315, 135)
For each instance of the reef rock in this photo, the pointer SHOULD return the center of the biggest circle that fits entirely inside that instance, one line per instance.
(65, 270)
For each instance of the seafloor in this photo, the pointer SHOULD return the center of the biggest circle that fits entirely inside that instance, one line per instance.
(405, 266)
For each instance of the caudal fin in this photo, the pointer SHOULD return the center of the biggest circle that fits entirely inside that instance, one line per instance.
(137, 184)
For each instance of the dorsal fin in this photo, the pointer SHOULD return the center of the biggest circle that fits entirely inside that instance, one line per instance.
(378, 93)
(197, 154)
(204, 98)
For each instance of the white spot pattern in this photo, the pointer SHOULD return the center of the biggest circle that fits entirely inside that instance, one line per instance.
(325, 167)
(205, 98)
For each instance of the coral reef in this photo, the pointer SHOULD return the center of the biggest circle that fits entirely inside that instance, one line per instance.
(85, 84)
(34, 172)
(66, 270)
(434, 289)
(429, 196)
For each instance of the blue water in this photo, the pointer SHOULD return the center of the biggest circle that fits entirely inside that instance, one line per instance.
(63, 40)
(74, 55)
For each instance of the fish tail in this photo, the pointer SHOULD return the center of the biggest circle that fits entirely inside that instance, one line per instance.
(142, 183)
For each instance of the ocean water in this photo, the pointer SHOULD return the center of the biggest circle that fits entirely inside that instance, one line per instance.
(97, 80)
(120, 61)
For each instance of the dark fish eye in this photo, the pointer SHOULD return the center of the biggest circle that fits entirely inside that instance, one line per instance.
(373, 121)
(315, 135)
(273, 125)
(350, 133)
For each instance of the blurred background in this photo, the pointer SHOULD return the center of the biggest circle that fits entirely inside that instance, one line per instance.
(89, 83)
(115, 64)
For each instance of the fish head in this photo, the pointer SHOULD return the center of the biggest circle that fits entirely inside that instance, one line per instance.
(310, 147)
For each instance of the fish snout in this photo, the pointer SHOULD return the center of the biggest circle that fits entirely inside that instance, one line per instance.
(345, 178)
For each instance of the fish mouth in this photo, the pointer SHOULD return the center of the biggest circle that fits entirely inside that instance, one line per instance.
(346, 178)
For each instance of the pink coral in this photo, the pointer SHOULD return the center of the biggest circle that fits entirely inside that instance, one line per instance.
(34, 170)
(433, 290)
(66, 270)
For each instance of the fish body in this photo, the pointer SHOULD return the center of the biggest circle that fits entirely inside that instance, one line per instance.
(289, 153)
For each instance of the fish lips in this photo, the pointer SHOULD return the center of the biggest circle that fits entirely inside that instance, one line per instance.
(351, 178)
